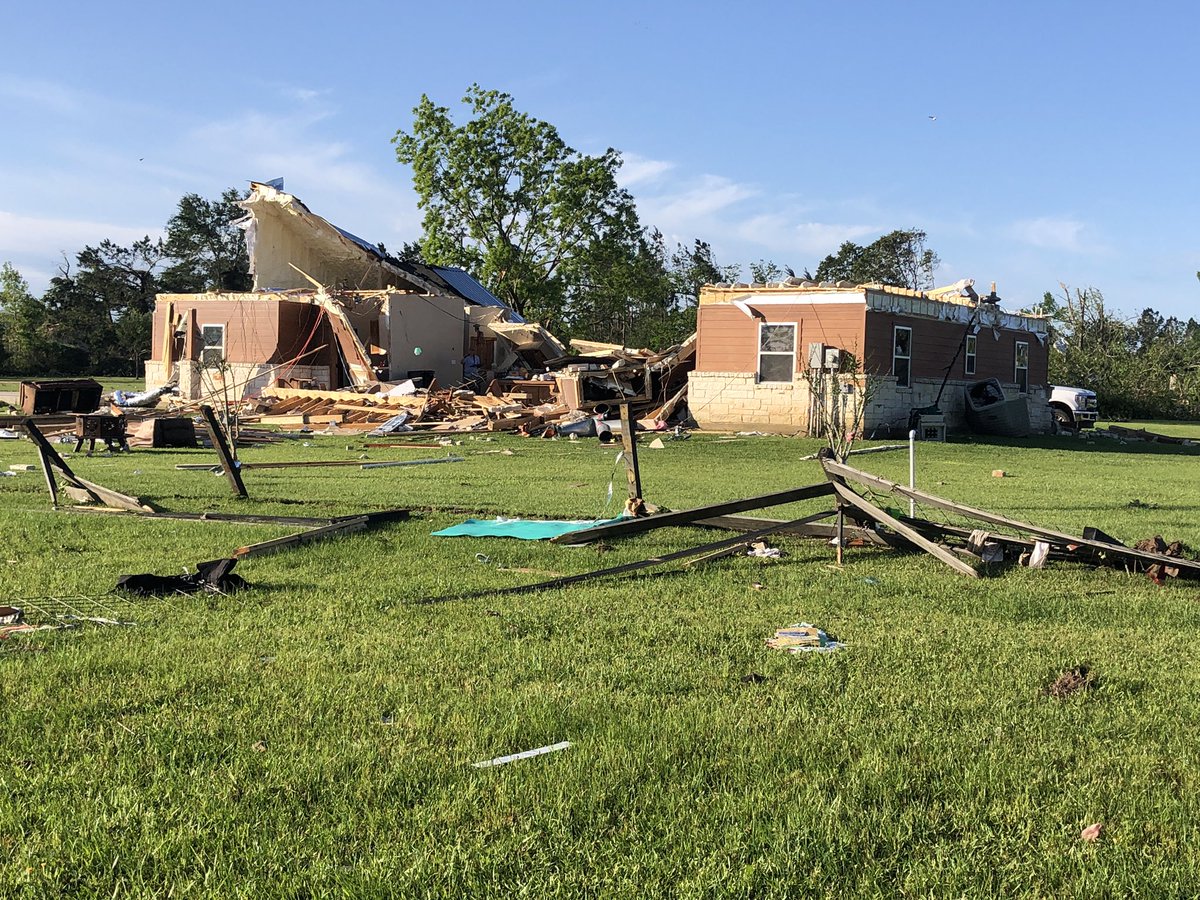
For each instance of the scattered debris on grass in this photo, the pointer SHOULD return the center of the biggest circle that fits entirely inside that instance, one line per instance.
(260, 746)
(1072, 681)
(1091, 834)
(1030, 544)
(763, 551)
(216, 576)
(525, 754)
(754, 678)
(1141, 434)
(804, 638)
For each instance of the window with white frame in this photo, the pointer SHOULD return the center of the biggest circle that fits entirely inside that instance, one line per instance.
(902, 355)
(212, 345)
(1021, 367)
(969, 359)
(776, 351)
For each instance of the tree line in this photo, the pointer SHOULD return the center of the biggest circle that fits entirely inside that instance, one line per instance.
(95, 316)
(1145, 368)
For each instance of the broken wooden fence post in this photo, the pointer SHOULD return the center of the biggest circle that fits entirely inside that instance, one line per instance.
(79, 489)
(223, 452)
(629, 443)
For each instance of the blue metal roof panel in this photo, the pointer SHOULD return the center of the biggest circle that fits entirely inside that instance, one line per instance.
(472, 290)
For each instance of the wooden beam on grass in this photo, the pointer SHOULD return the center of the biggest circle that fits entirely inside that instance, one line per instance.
(689, 516)
(78, 488)
(1103, 549)
(336, 529)
(228, 463)
(874, 512)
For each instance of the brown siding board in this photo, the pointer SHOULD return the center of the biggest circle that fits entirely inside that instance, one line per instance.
(935, 343)
(251, 326)
(158, 327)
(728, 338)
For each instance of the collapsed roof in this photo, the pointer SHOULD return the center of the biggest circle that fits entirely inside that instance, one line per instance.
(292, 247)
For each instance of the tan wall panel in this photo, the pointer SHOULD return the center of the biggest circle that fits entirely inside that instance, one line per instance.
(158, 324)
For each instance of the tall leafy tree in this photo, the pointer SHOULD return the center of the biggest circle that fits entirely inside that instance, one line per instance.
(208, 250)
(99, 313)
(899, 258)
(23, 344)
(507, 199)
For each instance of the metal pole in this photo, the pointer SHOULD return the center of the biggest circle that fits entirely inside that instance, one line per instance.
(912, 472)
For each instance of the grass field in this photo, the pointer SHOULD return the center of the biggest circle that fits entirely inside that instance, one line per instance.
(313, 735)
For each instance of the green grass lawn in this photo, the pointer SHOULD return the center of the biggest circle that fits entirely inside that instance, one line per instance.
(922, 761)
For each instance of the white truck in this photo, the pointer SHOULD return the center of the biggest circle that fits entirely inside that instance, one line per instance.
(1073, 407)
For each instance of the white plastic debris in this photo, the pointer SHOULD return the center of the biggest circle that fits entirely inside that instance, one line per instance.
(525, 754)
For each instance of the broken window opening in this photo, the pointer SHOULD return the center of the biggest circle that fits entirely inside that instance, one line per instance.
(776, 352)
(1021, 367)
(212, 345)
(902, 355)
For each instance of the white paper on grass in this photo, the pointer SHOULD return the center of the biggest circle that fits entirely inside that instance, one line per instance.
(526, 754)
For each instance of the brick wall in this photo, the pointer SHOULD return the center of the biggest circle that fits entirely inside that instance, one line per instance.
(734, 401)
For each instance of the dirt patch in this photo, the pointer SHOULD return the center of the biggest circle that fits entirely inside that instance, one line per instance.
(1072, 681)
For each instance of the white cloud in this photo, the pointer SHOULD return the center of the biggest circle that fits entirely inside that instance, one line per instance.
(641, 170)
(693, 205)
(782, 233)
(1050, 233)
(30, 234)
(45, 95)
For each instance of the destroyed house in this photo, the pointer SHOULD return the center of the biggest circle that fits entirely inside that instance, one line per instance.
(762, 351)
(330, 310)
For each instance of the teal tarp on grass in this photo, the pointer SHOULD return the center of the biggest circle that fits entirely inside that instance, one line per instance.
(525, 529)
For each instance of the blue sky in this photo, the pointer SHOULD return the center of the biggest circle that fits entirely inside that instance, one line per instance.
(1063, 148)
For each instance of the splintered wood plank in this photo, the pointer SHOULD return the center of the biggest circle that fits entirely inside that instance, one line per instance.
(688, 516)
(221, 446)
(337, 529)
(874, 512)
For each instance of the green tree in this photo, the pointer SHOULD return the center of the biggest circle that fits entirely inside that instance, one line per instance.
(899, 258)
(208, 249)
(507, 199)
(24, 349)
(99, 314)
(765, 271)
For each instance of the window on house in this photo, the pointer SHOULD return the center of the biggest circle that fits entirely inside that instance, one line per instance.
(212, 345)
(1022, 367)
(969, 364)
(902, 355)
(776, 352)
